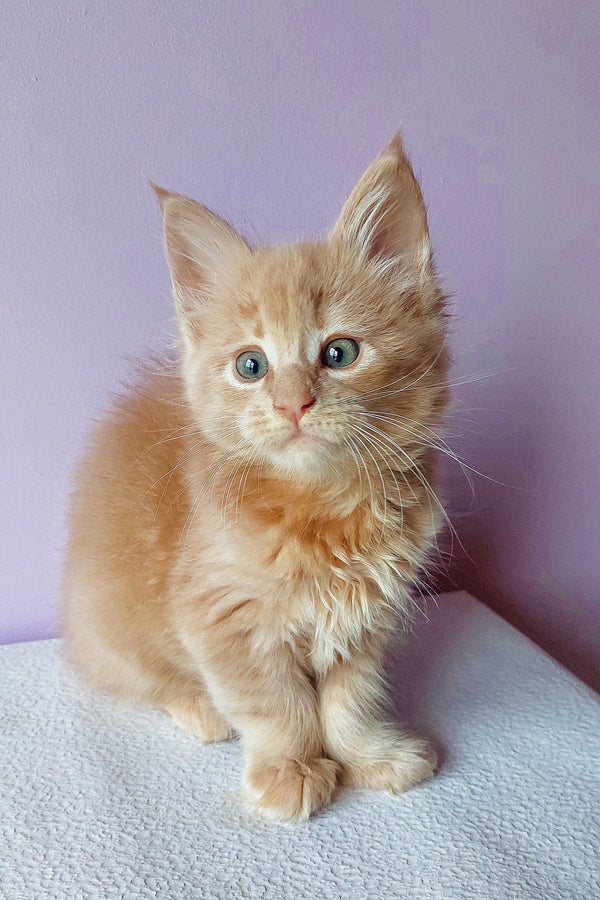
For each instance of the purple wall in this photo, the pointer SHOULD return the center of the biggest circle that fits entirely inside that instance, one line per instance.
(268, 111)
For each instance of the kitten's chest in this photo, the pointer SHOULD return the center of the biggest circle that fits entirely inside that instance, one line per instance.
(333, 588)
(321, 584)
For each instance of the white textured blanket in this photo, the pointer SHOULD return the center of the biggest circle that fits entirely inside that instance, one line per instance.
(101, 802)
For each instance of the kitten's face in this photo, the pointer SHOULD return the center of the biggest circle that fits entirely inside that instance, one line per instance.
(317, 360)
(301, 352)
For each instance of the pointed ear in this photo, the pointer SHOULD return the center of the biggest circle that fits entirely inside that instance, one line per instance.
(200, 247)
(384, 217)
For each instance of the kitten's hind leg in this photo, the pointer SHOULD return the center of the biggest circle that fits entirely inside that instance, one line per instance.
(196, 713)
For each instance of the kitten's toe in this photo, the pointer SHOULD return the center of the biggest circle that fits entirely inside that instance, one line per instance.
(288, 790)
(197, 715)
(396, 771)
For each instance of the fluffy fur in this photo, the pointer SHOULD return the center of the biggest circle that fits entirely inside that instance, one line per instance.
(241, 549)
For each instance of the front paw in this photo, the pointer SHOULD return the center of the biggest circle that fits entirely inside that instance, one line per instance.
(289, 790)
(396, 769)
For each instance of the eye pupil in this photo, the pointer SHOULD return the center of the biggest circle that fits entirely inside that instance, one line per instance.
(251, 366)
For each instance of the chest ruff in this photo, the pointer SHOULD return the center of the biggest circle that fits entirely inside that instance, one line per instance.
(337, 578)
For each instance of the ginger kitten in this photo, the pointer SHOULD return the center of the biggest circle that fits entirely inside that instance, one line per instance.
(245, 534)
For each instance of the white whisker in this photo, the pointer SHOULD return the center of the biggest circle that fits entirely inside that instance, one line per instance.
(432, 495)
(208, 484)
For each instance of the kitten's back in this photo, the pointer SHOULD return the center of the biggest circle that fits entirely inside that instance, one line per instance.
(127, 514)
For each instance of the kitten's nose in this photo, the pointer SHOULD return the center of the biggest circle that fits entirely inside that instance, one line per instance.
(293, 408)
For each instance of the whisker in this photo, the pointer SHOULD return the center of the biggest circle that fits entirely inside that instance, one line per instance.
(242, 484)
(373, 394)
(350, 446)
(192, 453)
(442, 384)
(438, 444)
(382, 480)
(228, 485)
(367, 473)
(426, 485)
(208, 484)
(376, 443)
(181, 433)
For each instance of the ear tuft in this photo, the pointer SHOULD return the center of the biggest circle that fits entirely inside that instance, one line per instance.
(394, 148)
(161, 193)
(385, 217)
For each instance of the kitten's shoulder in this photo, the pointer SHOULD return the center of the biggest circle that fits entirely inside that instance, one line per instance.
(151, 399)
(142, 425)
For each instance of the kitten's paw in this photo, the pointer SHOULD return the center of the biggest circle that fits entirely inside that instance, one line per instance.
(398, 770)
(197, 714)
(288, 790)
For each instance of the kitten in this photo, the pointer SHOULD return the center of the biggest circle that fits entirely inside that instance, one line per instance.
(245, 534)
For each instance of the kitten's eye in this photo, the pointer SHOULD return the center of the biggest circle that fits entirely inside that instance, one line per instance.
(252, 364)
(340, 352)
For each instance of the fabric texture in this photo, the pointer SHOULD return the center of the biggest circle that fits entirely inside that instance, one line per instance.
(101, 801)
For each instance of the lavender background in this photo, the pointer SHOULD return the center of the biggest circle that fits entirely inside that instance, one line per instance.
(269, 111)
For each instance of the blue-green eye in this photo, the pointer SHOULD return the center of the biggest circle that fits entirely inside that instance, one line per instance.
(340, 352)
(252, 364)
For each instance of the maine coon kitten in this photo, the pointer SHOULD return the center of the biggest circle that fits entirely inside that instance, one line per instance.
(244, 535)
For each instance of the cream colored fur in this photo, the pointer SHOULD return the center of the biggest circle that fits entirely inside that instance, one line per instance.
(241, 569)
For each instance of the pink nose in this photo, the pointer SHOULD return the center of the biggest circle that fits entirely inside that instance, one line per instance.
(294, 408)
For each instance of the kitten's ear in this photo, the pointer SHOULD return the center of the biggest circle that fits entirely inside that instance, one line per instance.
(385, 215)
(200, 248)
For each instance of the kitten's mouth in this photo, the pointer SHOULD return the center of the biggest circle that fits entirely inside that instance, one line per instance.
(296, 435)
(304, 453)
(301, 436)
(300, 441)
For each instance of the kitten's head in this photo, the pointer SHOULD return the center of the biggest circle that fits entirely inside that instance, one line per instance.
(317, 359)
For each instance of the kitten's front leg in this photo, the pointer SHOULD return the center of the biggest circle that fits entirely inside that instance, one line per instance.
(271, 702)
(373, 754)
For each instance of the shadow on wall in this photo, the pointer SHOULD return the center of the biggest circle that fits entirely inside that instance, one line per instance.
(505, 528)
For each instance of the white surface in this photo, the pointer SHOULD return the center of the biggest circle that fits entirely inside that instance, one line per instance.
(101, 802)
